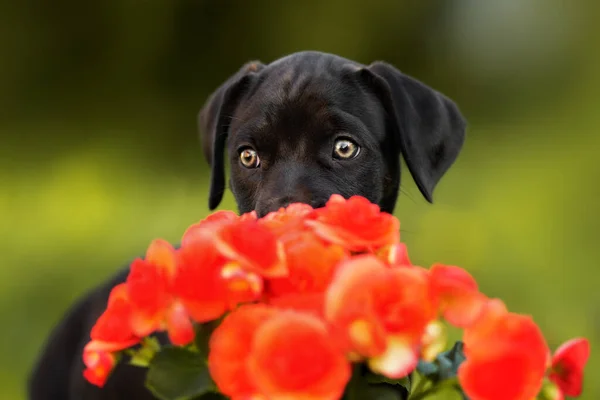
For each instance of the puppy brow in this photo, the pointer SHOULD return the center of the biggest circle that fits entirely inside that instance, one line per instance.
(346, 121)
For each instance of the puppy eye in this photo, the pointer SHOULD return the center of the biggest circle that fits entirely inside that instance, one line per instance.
(345, 149)
(249, 158)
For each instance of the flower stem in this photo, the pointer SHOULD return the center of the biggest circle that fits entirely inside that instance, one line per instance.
(419, 395)
(420, 387)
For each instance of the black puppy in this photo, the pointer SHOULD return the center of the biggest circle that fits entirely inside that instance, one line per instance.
(297, 130)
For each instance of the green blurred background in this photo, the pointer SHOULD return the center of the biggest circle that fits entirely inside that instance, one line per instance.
(99, 151)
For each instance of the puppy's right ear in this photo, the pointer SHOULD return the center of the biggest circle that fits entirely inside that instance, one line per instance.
(214, 120)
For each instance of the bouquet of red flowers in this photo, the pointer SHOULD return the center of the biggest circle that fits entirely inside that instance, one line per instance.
(319, 304)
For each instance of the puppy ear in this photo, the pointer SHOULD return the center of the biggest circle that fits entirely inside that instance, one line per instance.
(428, 127)
(213, 122)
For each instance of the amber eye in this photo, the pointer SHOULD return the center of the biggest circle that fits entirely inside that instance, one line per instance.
(249, 158)
(345, 149)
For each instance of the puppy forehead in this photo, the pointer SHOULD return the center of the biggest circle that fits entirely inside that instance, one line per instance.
(304, 98)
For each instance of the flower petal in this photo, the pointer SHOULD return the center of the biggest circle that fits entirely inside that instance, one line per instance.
(253, 246)
(230, 347)
(241, 286)
(148, 291)
(395, 255)
(293, 356)
(206, 228)
(311, 265)
(568, 363)
(506, 356)
(458, 293)
(310, 303)
(179, 327)
(99, 365)
(161, 254)
(113, 325)
(370, 302)
(198, 282)
(356, 223)
(399, 359)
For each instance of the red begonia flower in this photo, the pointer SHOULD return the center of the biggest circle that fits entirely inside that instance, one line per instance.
(150, 291)
(506, 356)
(230, 346)
(356, 224)
(311, 303)
(568, 363)
(288, 221)
(293, 356)
(111, 333)
(395, 255)
(113, 325)
(458, 294)
(311, 265)
(253, 246)
(99, 365)
(178, 325)
(208, 225)
(381, 312)
(207, 285)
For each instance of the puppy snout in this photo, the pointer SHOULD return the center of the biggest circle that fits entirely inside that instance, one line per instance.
(282, 202)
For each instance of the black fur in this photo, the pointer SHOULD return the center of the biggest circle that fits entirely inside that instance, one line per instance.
(291, 112)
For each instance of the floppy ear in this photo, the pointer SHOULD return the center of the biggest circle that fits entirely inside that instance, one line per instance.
(428, 127)
(213, 122)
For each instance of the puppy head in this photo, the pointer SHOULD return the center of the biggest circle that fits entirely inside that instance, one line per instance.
(314, 124)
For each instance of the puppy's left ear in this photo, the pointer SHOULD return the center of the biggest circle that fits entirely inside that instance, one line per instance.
(428, 127)
(214, 120)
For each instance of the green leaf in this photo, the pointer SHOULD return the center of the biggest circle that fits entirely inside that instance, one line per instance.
(142, 356)
(176, 373)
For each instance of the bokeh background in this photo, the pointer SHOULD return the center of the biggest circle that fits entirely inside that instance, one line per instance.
(99, 152)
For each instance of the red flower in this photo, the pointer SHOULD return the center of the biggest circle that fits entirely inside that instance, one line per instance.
(208, 285)
(113, 326)
(111, 333)
(356, 224)
(99, 365)
(310, 303)
(395, 255)
(311, 265)
(458, 293)
(505, 356)
(568, 363)
(230, 346)
(293, 356)
(252, 246)
(381, 312)
(150, 291)
(263, 352)
(206, 227)
(288, 221)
